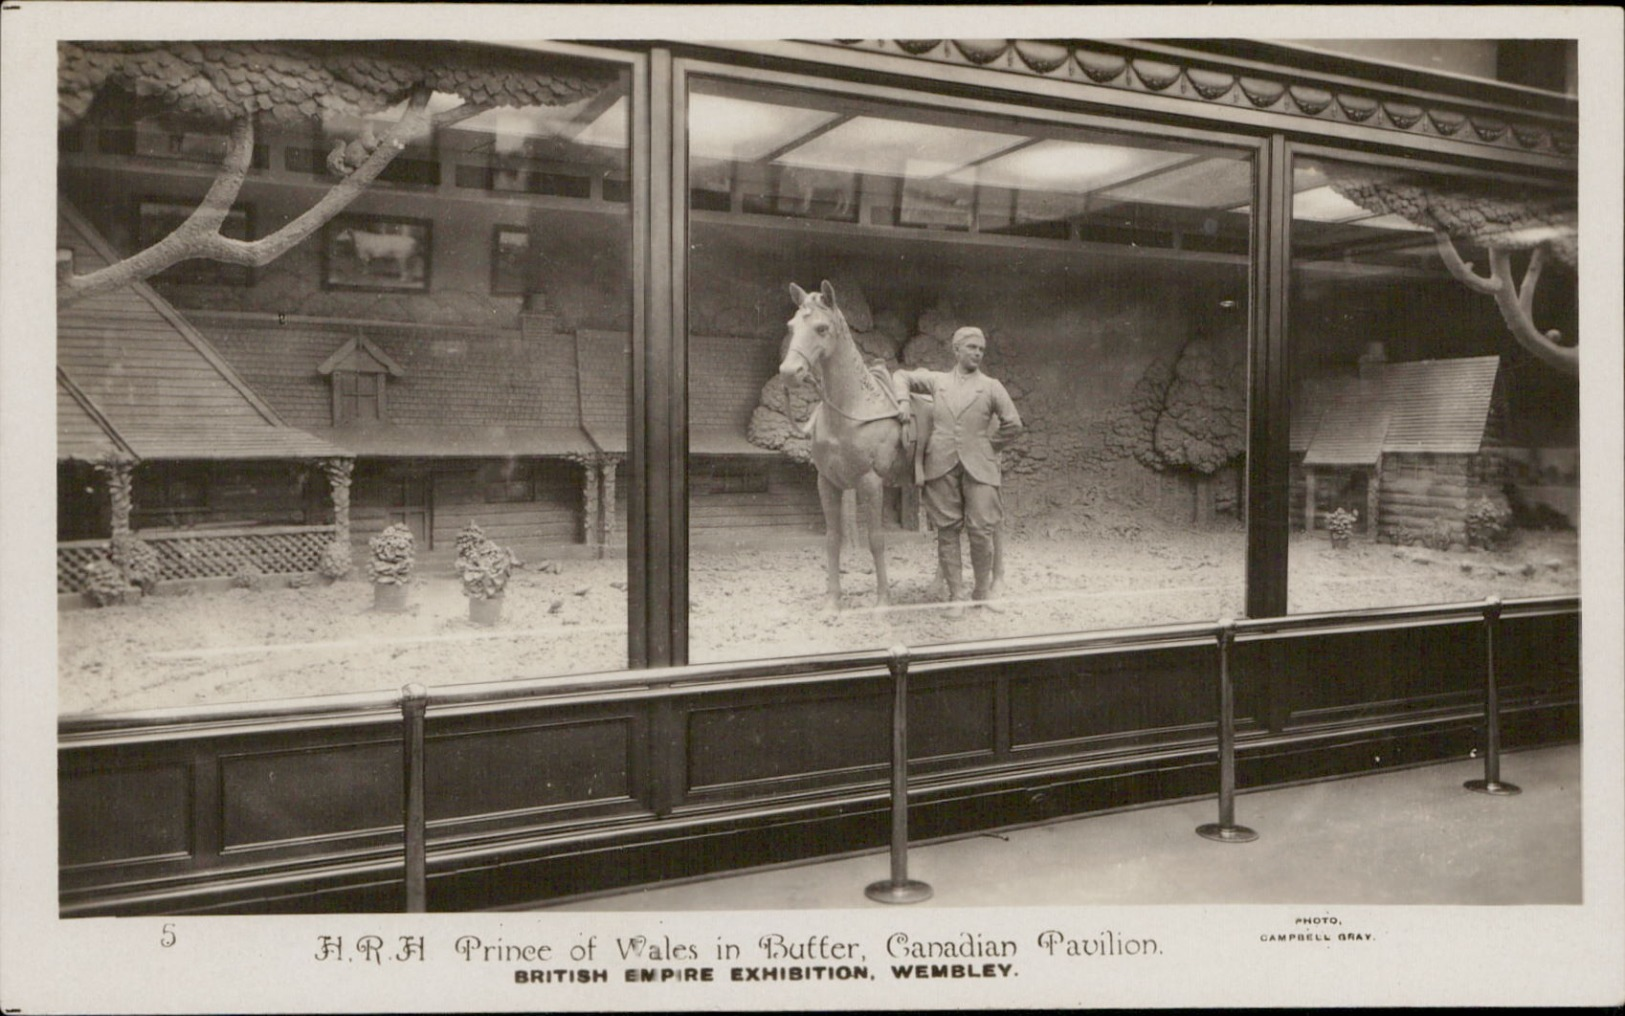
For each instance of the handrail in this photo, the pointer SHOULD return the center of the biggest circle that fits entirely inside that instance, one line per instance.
(383, 706)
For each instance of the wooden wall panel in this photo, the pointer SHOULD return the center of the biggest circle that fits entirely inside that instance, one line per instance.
(1100, 699)
(287, 795)
(798, 737)
(540, 766)
(124, 814)
(1343, 677)
(954, 719)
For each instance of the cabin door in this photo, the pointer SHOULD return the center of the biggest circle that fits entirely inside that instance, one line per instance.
(414, 508)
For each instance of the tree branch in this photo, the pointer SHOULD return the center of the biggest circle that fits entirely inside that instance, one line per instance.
(1463, 270)
(199, 236)
(1515, 308)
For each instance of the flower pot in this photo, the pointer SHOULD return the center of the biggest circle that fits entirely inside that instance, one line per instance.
(389, 597)
(486, 611)
(1339, 541)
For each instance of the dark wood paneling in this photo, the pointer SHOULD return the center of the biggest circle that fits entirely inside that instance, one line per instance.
(641, 791)
(124, 814)
(1058, 702)
(1342, 677)
(540, 766)
(286, 795)
(952, 720)
(798, 737)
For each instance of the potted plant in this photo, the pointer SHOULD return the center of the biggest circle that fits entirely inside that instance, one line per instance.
(390, 568)
(1340, 524)
(485, 569)
(469, 537)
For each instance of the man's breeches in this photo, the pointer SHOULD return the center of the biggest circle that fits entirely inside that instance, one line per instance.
(955, 498)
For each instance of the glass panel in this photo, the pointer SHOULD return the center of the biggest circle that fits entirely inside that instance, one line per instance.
(449, 350)
(1107, 274)
(1435, 425)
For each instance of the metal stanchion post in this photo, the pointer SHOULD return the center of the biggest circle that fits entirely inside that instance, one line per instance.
(1226, 830)
(414, 705)
(899, 888)
(1491, 783)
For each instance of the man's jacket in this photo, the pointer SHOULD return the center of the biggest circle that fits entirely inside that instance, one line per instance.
(960, 427)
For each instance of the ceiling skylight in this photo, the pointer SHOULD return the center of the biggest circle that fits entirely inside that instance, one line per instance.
(1322, 204)
(867, 144)
(720, 127)
(1205, 183)
(1067, 166)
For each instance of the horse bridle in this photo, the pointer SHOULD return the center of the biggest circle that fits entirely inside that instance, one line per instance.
(823, 397)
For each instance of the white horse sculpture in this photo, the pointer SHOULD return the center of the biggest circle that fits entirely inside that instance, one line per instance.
(858, 440)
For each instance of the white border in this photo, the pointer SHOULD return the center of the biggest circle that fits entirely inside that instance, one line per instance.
(1426, 955)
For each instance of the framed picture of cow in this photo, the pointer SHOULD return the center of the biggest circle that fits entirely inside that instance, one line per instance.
(378, 253)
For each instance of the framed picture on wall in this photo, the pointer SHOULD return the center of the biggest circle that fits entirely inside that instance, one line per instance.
(510, 258)
(936, 203)
(156, 218)
(380, 253)
(806, 193)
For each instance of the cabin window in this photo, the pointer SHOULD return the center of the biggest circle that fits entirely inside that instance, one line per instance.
(511, 481)
(358, 397)
(1423, 412)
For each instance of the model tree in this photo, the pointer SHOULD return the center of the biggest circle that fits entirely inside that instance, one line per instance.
(1188, 412)
(234, 85)
(1501, 224)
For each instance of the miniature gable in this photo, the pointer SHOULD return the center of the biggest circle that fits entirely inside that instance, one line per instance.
(358, 370)
(359, 356)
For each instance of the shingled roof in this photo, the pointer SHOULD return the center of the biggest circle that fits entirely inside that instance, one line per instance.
(725, 374)
(1438, 406)
(131, 367)
(452, 392)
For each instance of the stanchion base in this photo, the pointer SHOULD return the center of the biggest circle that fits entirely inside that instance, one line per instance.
(907, 891)
(1226, 834)
(1493, 787)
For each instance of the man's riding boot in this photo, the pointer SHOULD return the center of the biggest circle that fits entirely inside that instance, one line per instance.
(950, 563)
(981, 563)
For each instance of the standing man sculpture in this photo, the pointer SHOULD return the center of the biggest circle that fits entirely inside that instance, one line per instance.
(961, 468)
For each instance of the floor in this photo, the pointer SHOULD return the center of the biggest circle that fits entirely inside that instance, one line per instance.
(1407, 837)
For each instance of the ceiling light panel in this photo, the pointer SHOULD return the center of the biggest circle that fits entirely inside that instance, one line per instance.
(1071, 167)
(867, 144)
(720, 127)
(1322, 204)
(1208, 183)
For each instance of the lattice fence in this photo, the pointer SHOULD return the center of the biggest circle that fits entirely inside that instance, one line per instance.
(71, 561)
(209, 554)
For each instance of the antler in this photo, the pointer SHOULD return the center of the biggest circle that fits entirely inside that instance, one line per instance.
(1515, 300)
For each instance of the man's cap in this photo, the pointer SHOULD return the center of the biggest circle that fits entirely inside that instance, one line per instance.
(967, 332)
